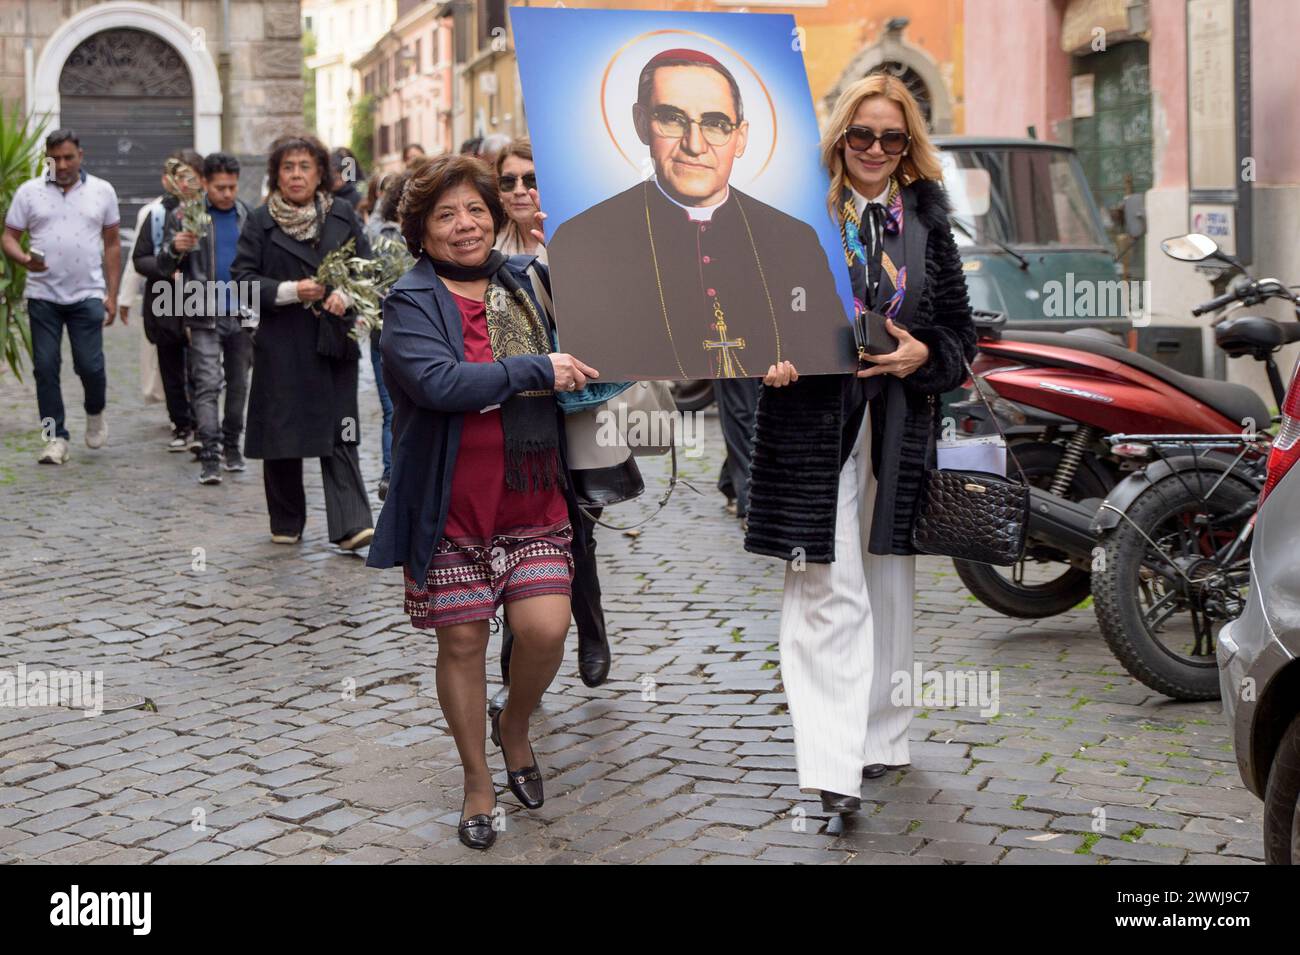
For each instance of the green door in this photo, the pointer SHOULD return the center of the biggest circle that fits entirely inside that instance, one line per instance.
(1114, 143)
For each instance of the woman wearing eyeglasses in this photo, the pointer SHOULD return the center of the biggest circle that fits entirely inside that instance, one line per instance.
(844, 519)
(515, 176)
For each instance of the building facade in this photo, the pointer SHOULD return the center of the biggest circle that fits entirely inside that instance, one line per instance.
(841, 40)
(138, 80)
(1112, 78)
(407, 80)
(343, 30)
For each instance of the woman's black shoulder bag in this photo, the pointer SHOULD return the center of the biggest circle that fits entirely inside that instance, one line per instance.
(973, 515)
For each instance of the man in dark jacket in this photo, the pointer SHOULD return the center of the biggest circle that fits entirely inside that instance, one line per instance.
(212, 315)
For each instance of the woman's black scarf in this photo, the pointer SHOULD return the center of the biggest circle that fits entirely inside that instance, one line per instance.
(515, 327)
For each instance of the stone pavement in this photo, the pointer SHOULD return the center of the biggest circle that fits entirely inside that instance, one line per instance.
(292, 717)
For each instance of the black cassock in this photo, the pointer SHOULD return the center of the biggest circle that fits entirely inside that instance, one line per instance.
(752, 270)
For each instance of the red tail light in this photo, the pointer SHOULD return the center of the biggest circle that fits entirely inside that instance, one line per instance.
(1286, 446)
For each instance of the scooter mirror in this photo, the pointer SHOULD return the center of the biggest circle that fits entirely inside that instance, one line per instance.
(1193, 247)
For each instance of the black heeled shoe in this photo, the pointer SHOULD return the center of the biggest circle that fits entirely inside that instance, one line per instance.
(876, 770)
(839, 803)
(525, 783)
(476, 832)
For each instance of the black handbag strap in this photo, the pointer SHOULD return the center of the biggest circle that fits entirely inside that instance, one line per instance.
(975, 381)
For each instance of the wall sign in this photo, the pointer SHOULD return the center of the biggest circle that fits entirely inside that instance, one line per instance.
(1218, 122)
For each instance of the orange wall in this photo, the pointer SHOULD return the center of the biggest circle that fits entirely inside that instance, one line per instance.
(840, 30)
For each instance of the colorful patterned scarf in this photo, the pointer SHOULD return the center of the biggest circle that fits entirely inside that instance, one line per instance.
(856, 256)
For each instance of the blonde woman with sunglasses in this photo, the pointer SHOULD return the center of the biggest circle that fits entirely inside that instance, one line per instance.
(839, 460)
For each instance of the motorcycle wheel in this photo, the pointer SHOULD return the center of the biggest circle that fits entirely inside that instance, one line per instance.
(1041, 585)
(695, 395)
(1163, 634)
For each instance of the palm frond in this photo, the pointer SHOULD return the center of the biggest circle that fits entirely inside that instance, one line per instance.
(21, 159)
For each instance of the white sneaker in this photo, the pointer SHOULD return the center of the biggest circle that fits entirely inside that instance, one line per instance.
(56, 452)
(96, 430)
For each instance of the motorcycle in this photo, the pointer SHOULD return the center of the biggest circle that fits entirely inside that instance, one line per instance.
(1174, 562)
(1060, 395)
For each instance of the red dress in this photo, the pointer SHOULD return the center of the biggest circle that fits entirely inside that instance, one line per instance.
(482, 507)
(498, 545)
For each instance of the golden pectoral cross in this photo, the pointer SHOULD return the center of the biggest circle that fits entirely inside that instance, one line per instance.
(729, 366)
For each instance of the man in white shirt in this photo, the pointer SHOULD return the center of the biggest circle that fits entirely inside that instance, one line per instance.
(70, 216)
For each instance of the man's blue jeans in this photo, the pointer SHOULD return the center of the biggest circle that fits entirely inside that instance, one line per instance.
(385, 402)
(85, 323)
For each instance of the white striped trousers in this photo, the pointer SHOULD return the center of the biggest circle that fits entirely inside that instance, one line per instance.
(846, 628)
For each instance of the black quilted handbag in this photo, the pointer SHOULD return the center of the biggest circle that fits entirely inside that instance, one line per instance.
(973, 515)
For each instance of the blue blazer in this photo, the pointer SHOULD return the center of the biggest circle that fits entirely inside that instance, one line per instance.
(433, 388)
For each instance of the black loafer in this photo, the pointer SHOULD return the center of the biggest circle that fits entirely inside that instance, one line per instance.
(876, 770)
(477, 832)
(525, 783)
(839, 803)
(593, 661)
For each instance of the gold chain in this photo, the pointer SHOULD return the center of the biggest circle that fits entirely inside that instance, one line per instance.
(663, 306)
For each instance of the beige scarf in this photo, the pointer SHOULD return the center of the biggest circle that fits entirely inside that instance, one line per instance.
(299, 222)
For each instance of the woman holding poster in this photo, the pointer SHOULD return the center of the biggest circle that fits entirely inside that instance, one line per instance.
(479, 511)
(839, 460)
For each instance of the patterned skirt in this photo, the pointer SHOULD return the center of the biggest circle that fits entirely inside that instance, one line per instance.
(469, 582)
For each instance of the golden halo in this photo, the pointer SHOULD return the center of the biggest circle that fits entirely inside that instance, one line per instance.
(758, 79)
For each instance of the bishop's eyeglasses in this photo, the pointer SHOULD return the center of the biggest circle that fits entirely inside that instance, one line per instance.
(670, 122)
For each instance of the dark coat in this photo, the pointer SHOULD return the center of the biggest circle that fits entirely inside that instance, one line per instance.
(698, 264)
(300, 402)
(349, 192)
(804, 432)
(433, 388)
(167, 327)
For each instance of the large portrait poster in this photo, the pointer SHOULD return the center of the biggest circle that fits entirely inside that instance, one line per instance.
(677, 162)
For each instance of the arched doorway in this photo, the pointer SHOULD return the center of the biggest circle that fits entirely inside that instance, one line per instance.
(910, 63)
(129, 97)
(915, 84)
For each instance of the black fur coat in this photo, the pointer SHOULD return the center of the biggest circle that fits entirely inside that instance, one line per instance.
(804, 432)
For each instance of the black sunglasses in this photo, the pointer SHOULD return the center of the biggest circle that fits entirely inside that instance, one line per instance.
(507, 183)
(892, 143)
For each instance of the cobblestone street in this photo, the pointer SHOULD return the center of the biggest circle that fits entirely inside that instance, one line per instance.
(292, 711)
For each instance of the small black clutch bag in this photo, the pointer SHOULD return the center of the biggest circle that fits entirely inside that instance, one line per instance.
(973, 515)
(870, 337)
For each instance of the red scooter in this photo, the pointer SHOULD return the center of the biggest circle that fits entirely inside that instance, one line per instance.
(1059, 397)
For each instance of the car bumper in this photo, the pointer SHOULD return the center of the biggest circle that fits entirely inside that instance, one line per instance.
(1249, 656)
